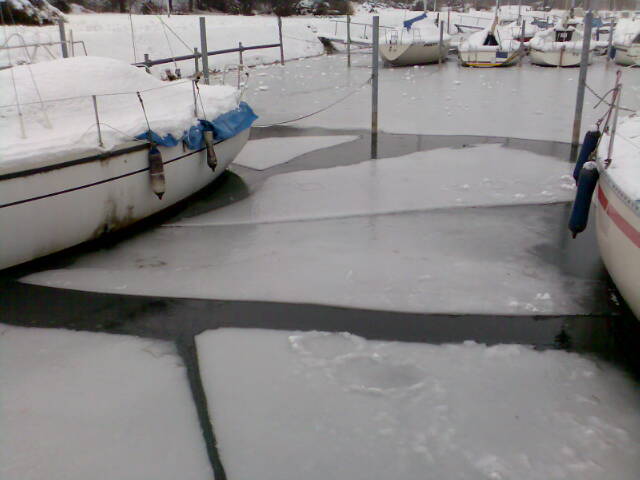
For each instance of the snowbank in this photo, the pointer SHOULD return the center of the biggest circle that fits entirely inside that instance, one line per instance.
(65, 88)
(625, 164)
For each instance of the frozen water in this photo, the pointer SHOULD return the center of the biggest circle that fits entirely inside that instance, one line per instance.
(95, 406)
(268, 152)
(469, 260)
(482, 175)
(317, 405)
(521, 102)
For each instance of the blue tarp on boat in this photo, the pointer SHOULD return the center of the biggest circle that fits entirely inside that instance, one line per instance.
(407, 23)
(225, 126)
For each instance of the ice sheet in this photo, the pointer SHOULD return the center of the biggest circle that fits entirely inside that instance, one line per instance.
(476, 176)
(520, 102)
(269, 152)
(316, 406)
(95, 406)
(468, 260)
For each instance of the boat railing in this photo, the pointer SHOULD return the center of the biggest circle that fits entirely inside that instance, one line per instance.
(364, 25)
(136, 97)
(70, 43)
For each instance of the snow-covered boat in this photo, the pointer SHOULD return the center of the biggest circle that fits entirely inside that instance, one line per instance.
(617, 201)
(59, 187)
(626, 41)
(560, 46)
(488, 48)
(415, 45)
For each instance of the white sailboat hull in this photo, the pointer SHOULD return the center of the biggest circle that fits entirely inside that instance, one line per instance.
(627, 55)
(488, 58)
(557, 57)
(618, 233)
(52, 208)
(415, 53)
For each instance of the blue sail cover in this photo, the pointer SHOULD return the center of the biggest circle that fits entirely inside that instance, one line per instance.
(225, 126)
(407, 23)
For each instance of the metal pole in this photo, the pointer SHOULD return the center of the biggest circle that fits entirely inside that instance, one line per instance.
(616, 104)
(610, 40)
(440, 44)
(582, 79)
(348, 40)
(203, 49)
(73, 50)
(280, 35)
(195, 60)
(63, 39)
(147, 63)
(374, 88)
(449, 20)
(519, 10)
(95, 110)
(240, 65)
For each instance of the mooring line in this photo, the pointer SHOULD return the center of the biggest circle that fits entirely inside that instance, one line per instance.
(342, 99)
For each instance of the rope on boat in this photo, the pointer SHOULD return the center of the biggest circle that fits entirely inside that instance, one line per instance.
(332, 104)
(602, 99)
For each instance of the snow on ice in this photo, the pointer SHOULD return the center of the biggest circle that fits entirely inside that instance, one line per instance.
(478, 260)
(77, 405)
(330, 405)
(419, 181)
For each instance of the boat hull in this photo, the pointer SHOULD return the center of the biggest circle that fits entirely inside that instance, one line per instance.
(627, 55)
(43, 211)
(618, 233)
(556, 58)
(485, 59)
(417, 53)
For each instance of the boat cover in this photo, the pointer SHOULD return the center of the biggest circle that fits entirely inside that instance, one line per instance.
(407, 23)
(225, 126)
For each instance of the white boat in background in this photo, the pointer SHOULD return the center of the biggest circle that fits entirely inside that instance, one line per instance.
(58, 188)
(626, 41)
(414, 46)
(488, 48)
(560, 46)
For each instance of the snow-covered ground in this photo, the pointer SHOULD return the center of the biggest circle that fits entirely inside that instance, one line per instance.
(317, 405)
(76, 405)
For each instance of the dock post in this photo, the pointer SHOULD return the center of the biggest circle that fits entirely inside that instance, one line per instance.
(63, 39)
(280, 35)
(374, 88)
(147, 66)
(582, 80)
(609, 46)
(73, 49)
(203, 49)
(440, 44)
(348, 40)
